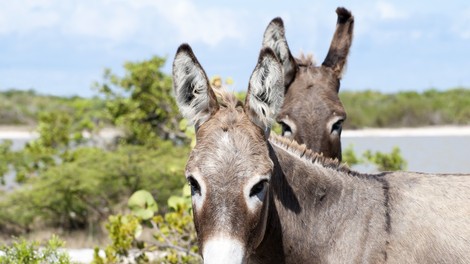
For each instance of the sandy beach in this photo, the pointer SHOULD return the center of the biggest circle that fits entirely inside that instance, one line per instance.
(408, 132)
(22, 132)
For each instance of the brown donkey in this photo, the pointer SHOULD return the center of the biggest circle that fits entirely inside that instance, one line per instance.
(312, 113)
(260, 200)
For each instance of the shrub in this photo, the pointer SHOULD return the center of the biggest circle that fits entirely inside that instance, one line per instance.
(22, 251)
(383, 161)
(173, 234)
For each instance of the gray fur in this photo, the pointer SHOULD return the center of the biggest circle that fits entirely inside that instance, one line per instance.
(193, 94)
(274, 37)
(315, 210)
(312, 113)
(266, 90)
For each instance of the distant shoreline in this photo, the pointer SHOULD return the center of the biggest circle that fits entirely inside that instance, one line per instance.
(431, 131)
(24, 132)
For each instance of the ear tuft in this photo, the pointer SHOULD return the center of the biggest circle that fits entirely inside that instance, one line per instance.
(193, 94)
(266, 90)
(343, 15)
(274, 38)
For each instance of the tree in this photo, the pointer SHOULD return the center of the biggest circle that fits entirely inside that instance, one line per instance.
(67, 180)
(142, 104)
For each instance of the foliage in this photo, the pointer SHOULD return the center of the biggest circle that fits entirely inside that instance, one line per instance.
(22, 251)
(174, 237)
(135, 97)
(407, 109)
(71, 181)
(141, 102)
(142, 204)
(383, 161)
(23, 107)
(91, 184)
(5, 158)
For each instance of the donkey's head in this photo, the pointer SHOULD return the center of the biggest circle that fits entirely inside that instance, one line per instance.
(230, 168)
(312, 112)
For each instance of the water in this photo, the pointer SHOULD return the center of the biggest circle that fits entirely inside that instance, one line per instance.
(433, 154)
(21, 137)
(433, 150)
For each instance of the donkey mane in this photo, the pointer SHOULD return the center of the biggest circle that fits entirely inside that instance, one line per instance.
(307, 60)
(226, 99)
(301, 151)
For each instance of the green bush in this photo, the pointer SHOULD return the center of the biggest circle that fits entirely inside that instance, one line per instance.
(68, 180)
(142, 104)
(22, 251)
(23, 107)
(92, 184)
(383, 161)
(406, 109)
(173, 234)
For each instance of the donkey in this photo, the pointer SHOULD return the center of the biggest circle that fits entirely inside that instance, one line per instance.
(312, 113)
(266, 199)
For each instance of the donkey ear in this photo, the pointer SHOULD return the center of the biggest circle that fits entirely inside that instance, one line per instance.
(193, 93)
(342, 39)
(265, 91)
(275, 38)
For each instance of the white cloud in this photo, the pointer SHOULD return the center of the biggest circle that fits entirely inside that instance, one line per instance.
(120, 21)
(387, 11)
(101, 20)
(194, 23)
(22, 17)
(461, 24)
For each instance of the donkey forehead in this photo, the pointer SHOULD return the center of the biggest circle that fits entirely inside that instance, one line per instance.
(315, 77)
(314, 88)
(231, 146)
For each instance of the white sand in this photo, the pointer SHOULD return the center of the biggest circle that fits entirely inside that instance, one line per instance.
(11, 132)
(408, 132)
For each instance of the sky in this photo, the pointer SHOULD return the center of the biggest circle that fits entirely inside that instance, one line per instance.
(62, 47)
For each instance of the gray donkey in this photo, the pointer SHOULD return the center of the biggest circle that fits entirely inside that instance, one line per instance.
(312, 112)
(270, 200)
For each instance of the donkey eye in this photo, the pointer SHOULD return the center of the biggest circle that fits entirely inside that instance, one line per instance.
(195, 187)
(258, 188)
(337, 127)
(286, 129)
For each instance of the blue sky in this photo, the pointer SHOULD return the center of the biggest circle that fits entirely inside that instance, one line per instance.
(61, 47)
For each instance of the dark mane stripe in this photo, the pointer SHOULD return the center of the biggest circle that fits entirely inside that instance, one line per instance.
(302, 152)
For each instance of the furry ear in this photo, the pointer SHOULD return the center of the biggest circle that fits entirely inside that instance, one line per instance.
(193, 93)
(341, 43)
(274, 38)
(265, 91)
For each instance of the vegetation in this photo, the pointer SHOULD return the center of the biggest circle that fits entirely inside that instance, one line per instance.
(407, 109)
(19, 107)
(382, 161)
(69, 180)
(364, 108)
(22, 251)
(173, 235)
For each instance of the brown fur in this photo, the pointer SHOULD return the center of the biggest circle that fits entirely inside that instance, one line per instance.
(312, 209)
(312, 113)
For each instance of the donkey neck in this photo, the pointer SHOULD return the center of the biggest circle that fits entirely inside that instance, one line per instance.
(319, 211)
